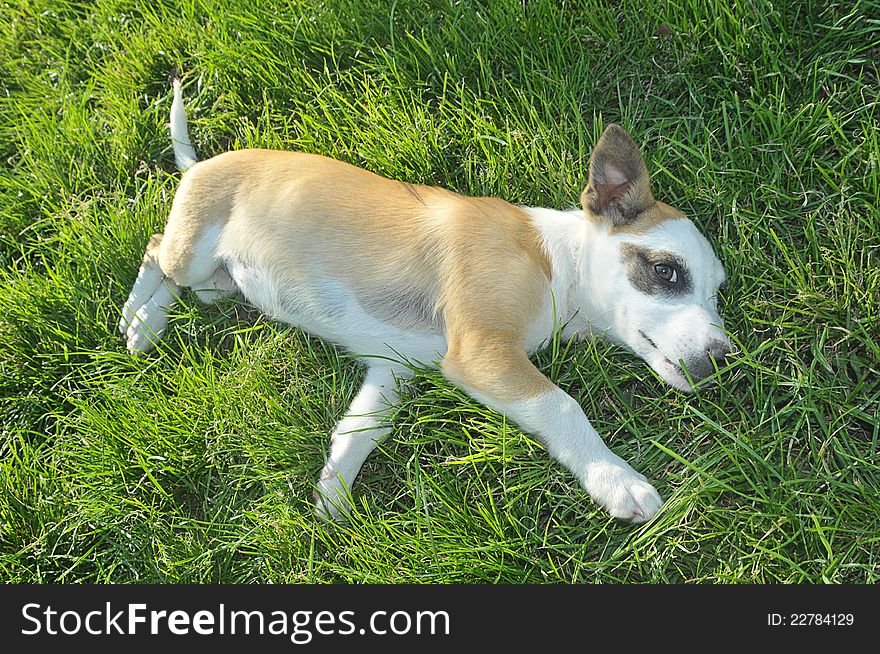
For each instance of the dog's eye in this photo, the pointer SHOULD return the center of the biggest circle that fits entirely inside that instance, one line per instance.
(666, 272)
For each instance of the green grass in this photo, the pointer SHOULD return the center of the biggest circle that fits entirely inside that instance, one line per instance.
(195, 464)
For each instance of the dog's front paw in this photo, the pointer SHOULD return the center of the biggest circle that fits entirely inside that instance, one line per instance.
(332, 499)
(622, 491)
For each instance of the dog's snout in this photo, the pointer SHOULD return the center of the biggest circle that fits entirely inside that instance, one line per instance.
(719, 351)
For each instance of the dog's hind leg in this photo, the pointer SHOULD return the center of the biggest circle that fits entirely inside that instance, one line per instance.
(192, 263)
(190, 251)
(217, 286)
(186, 255)
(145, 314)
(356, 435)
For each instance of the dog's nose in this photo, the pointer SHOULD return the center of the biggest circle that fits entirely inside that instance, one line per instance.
(718, 351)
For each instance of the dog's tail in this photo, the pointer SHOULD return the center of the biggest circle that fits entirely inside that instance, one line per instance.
(184, 153)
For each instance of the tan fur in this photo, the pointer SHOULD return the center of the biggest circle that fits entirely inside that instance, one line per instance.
(494, 364)
(654, 215)
(471, 266)
(385, 267)
(151, 256)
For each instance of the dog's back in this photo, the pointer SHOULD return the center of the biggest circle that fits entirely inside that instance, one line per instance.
(407, 254)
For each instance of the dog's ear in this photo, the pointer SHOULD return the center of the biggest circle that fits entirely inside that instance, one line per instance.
(619, 187)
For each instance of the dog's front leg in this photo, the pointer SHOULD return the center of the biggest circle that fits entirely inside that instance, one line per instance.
(356, 435)
(558, 420)
(501, 376)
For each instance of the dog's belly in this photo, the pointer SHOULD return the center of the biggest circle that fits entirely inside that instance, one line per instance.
(328, 309)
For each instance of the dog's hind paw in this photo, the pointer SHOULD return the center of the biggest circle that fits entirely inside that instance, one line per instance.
(145, 328)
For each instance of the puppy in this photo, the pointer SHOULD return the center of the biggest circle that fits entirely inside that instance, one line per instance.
(401, 272)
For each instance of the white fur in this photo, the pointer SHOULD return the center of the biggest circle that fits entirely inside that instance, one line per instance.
(594, 296)
(589, 293)
(327, 308)
(147, 322)
(145, 314)
(356, 435)
(148, 280)
(215, 282)
(184, 153)
(558, 420)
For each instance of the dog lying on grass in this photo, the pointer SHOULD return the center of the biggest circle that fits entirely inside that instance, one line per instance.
(400, 272)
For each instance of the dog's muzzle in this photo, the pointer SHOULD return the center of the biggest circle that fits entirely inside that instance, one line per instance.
(714, 358)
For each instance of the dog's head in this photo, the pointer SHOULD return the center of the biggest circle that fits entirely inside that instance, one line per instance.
(652, 272)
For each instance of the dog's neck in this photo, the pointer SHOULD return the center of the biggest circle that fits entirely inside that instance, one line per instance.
(577, 248)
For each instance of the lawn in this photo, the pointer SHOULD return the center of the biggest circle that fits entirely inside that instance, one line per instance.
(196, 463)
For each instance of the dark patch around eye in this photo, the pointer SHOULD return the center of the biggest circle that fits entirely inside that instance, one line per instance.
(640, 271)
